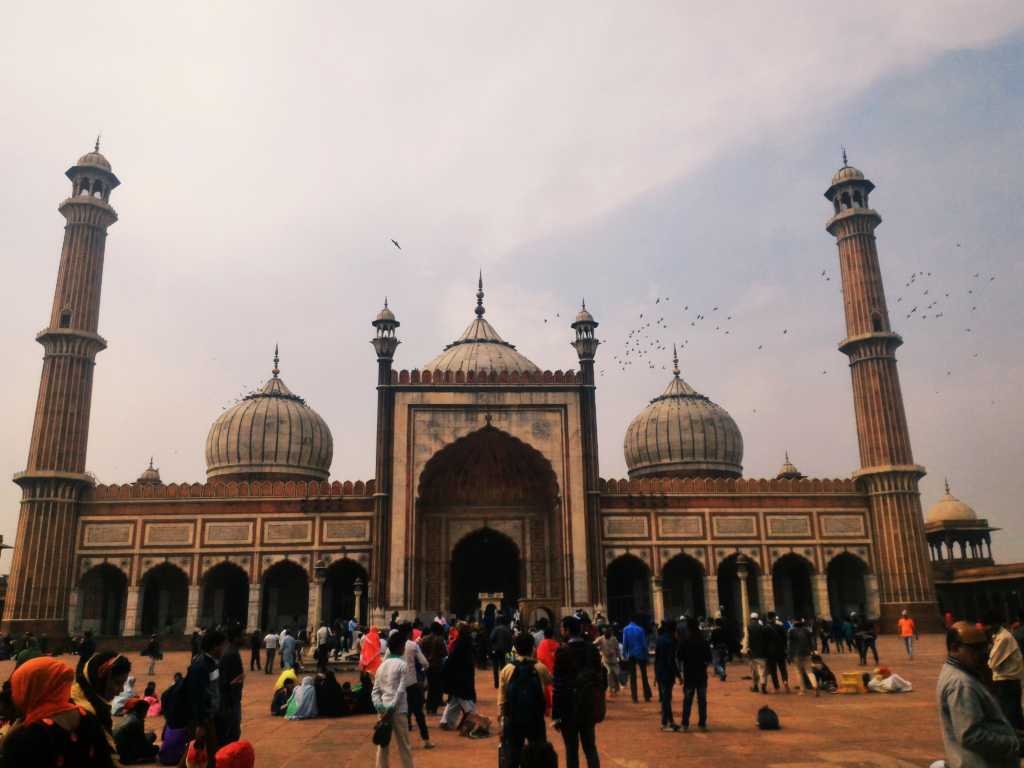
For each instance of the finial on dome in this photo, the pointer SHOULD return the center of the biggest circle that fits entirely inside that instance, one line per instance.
(675, 361)
(97, 149)
(480, 295)
(277, 361)
(844, 157)
(946, 479)
(150, 462)
(787, 456)
(385, 302)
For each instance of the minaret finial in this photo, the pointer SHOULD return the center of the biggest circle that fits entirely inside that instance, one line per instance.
(844, 157)
(97, 149)
(480, 295)
(150, 462)
(385, 302)
(787, 457)
(947, 485)
(675, 361)
(277, 360)
(584, 302)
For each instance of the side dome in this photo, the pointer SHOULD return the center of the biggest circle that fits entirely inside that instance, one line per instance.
(270, 434)
(683, 434)
(950, 509)
(480, 348)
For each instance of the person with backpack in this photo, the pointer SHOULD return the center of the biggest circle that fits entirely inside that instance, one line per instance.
(199, 699)
(578, 703)
(521, 701)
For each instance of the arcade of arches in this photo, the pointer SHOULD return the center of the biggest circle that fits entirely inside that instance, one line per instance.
(488, 522)
(793, 589)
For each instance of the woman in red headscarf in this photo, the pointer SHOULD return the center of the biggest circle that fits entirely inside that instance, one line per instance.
(51, 731)
(370, 653)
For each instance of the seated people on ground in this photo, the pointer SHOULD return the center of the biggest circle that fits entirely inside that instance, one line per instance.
(281, 698)
(134, 745)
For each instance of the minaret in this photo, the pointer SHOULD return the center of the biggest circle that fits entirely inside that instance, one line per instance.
(42, 572)
(888, 473)
(384, 342)
(586, 344)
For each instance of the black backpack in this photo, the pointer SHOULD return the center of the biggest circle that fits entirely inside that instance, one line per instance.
(767, 720)
(524, 696)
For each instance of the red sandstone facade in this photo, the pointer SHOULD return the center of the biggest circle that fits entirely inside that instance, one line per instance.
(487, 480)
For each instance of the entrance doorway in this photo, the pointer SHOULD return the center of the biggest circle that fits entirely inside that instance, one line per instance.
(682, 581)
(729, 590)
(629, 590)
(484, 561)
(846, 592)
(285, 597)
(339, 592)
(791, 582)
(104, 590)
(164, 600)
(225, 596)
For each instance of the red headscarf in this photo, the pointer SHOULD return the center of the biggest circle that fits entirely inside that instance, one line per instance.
(238, 754)
(41, 688)
(369, 657)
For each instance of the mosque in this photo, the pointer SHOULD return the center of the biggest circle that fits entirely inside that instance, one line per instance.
(487, 487)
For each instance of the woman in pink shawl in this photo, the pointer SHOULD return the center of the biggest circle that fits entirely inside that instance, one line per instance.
(370, 655)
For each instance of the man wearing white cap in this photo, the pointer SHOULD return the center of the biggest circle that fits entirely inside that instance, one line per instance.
(757, 651)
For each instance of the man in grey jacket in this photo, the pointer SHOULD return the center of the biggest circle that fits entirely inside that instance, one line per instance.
(974, 731)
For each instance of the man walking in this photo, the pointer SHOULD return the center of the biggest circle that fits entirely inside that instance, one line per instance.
(501, 645)
(775, 650)
(1007, 667)
(908, 632)
(666, 671)
(608, 646)
(521, 701)
(799, 650)
(975, 733)
(719, 648)
(255, 646)
(270, 642)
(757, 651)
(694, 657)
(579, 690)
(435, 649)
(636, 654)
(323, 648)
(459, 676)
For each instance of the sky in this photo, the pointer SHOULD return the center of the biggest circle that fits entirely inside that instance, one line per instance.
(648, 157)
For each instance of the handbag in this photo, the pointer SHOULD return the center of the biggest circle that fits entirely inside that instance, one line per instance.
(382, 731)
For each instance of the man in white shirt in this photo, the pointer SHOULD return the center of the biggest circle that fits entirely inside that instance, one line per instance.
(416, 664)
(270, 642)
(323, 640)
(1007, 667)
(389, 699)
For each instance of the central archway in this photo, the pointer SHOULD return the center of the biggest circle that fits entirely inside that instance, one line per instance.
(164, 600)
(104, 591)
(285, 596)
(487, 513)
(629, 590)
(484, 561)
(225, 598)
(339, 601)
(682, 581)
(791, 585)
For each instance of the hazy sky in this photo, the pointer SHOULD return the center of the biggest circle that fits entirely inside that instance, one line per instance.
(623, 152)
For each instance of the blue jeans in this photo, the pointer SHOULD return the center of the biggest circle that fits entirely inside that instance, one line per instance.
(909, 642)
(719, 654)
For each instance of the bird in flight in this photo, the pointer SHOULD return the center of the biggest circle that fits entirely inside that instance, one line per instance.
(395, 242)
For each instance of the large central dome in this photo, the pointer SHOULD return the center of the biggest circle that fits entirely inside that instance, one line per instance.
(271, 434)
(480, 348)
(683, 434)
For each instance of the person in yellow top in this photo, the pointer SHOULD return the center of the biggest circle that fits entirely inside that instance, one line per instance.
(1007, 665)
(521, 700)
(908, 632)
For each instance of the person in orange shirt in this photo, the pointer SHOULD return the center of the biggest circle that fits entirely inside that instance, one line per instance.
(908, 632)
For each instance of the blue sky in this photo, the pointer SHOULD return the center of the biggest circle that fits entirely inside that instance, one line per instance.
(267, 158)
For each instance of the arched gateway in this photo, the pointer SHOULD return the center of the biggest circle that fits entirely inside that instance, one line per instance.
(487, 522)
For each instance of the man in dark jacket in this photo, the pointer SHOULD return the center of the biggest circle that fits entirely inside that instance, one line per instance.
(459, 678)
(666, 671)
(694, 657)
(199, 700)
(435, 649)
(500, 646)
(579, 683)
(231, 678)
(758, 652)
(799, 646)
(775, 650)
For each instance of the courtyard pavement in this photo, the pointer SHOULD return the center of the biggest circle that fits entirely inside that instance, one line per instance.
(834, 730)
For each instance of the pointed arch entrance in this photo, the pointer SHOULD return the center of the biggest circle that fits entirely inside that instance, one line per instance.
(682, 580)
(164, 600)
(488, 493)
(846, 588)
(339, 600)
(104, 590)
(729, 590)
(285, 596)
(484, 561)
(629, 589)
(225, 596)
(792, 587)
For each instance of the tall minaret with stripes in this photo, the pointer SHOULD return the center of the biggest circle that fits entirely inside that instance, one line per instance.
(54, 478)
(887, 471)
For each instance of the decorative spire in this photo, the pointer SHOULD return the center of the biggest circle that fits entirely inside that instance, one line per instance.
(150, 462)
(277, 360)
(584, 302)
(947, 485)
(787, 457)
(97, 148)
(675, 361)
(844, 157)
(385, 302)
(480, 296)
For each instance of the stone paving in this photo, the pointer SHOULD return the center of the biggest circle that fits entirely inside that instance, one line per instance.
(858, 730)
